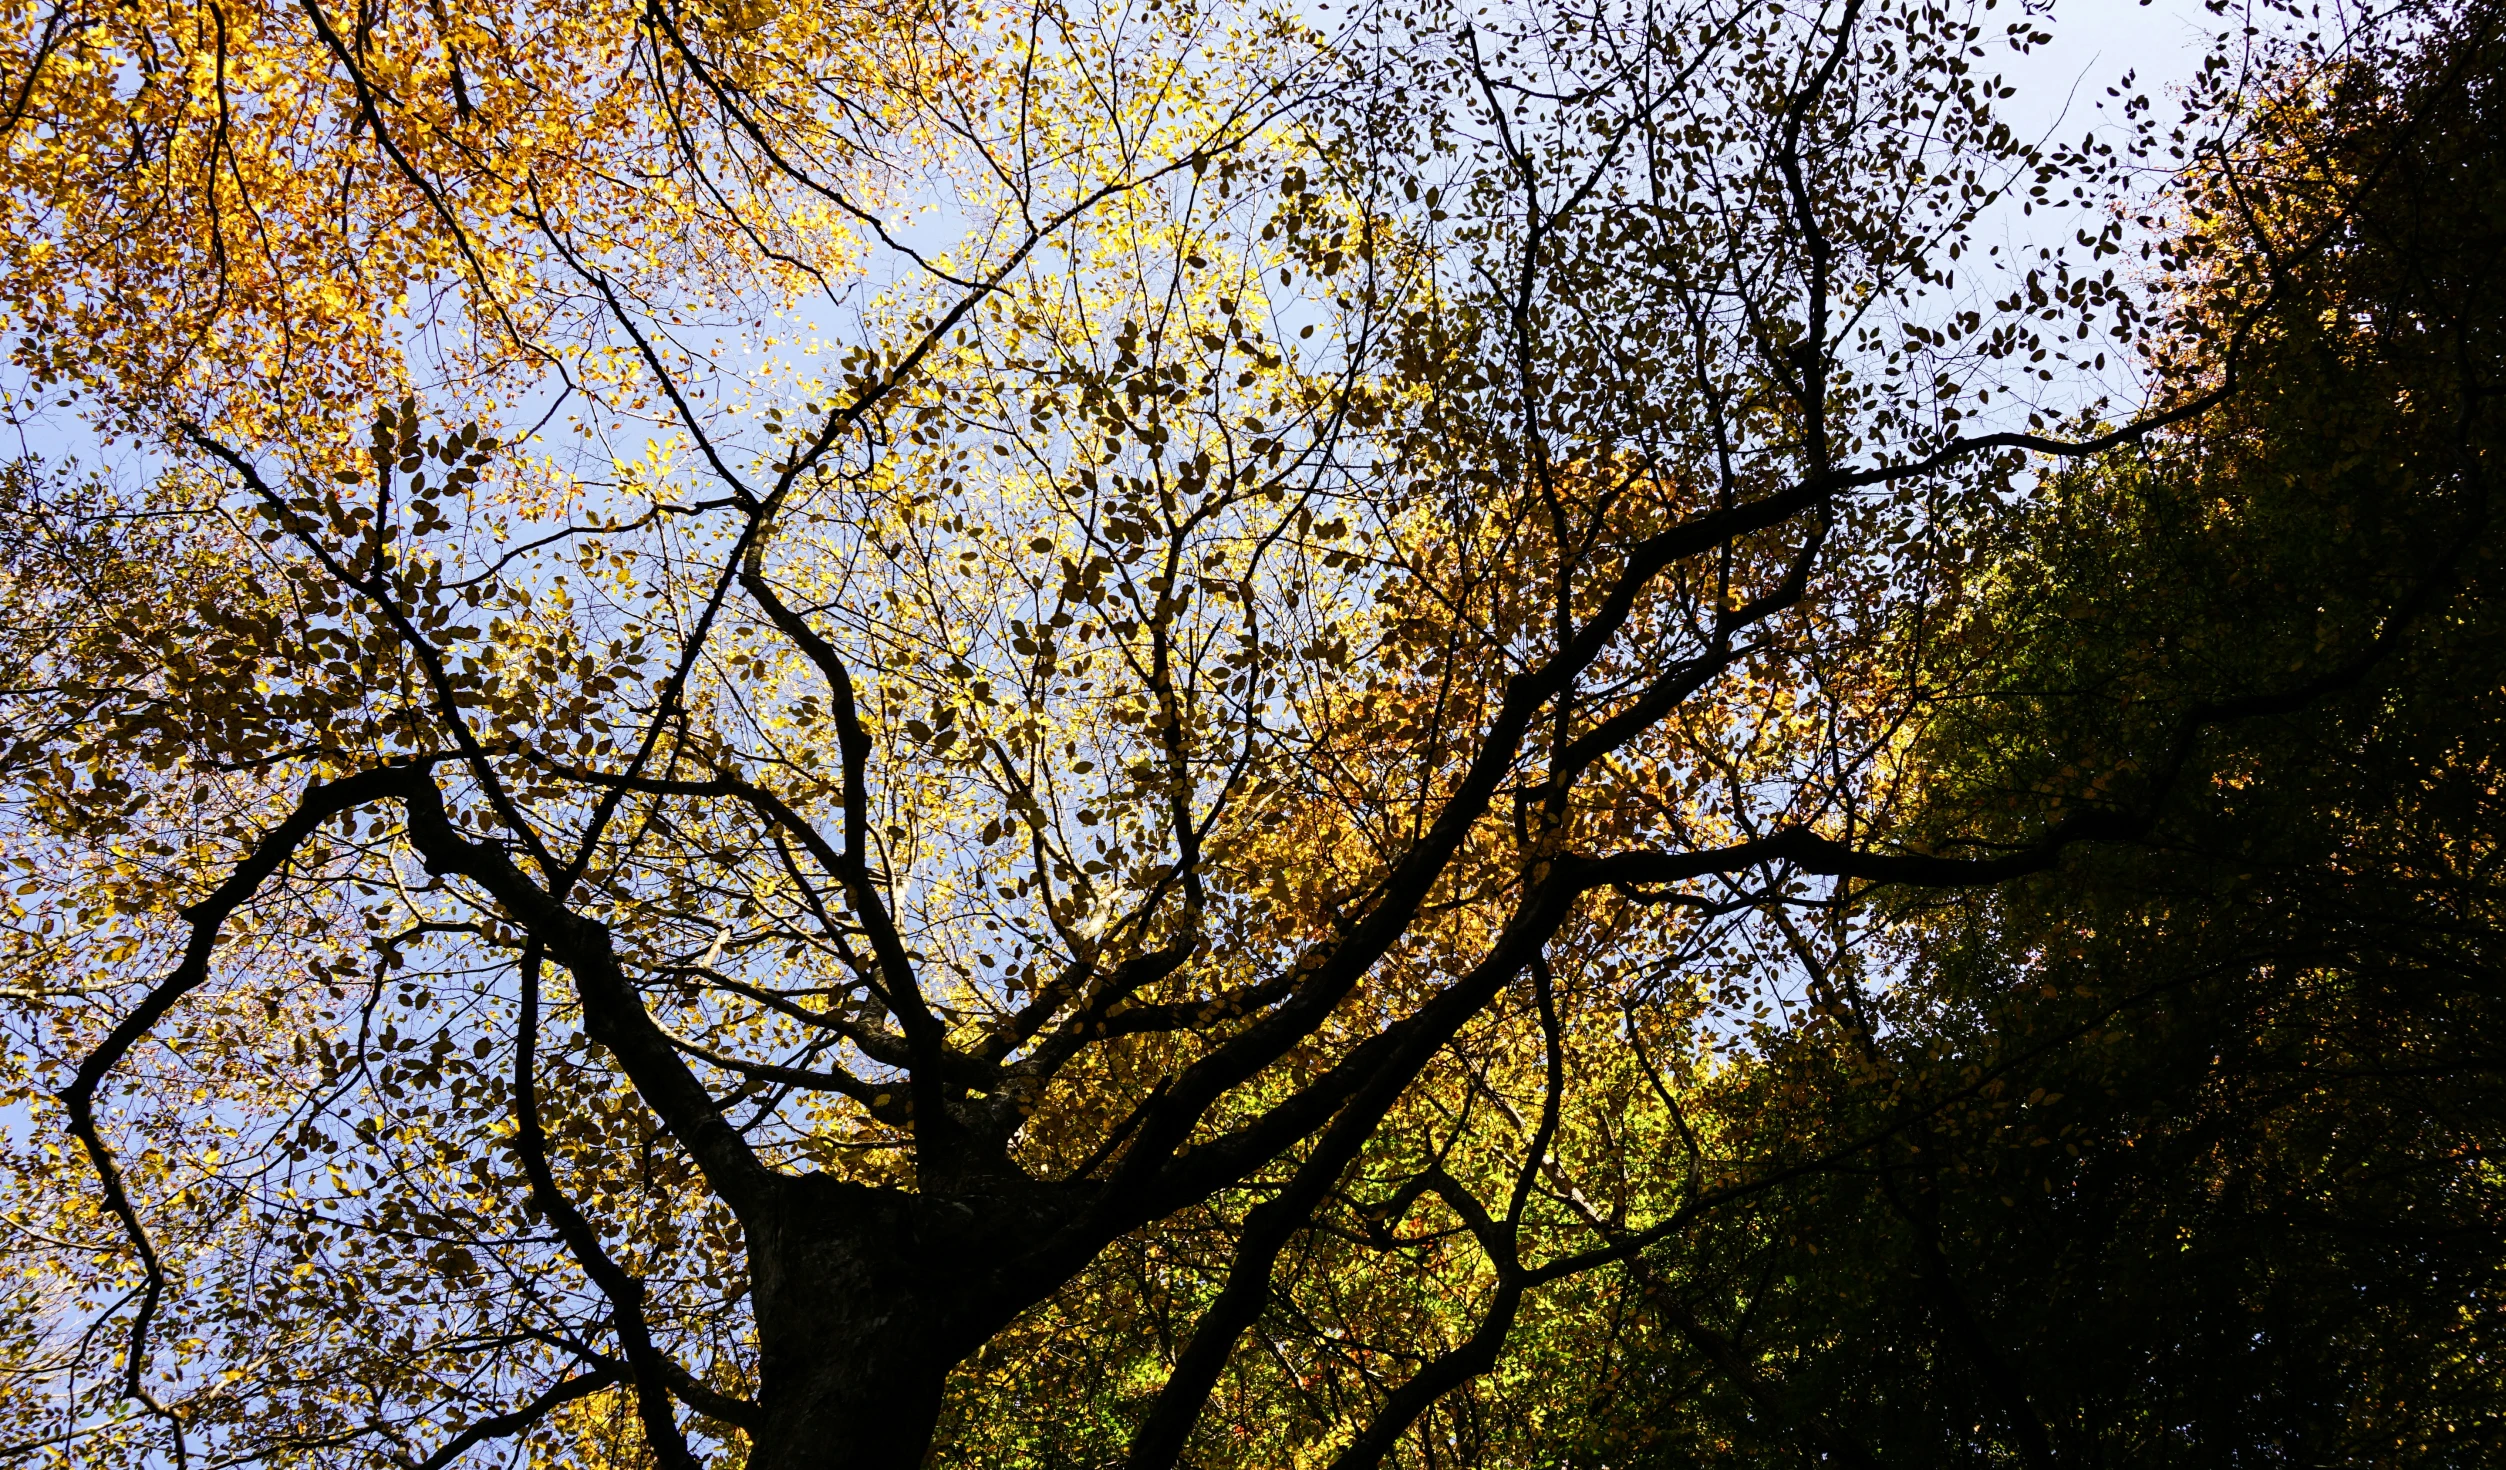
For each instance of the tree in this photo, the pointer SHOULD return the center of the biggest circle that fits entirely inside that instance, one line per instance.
(1173, 784)
(2217, 1188)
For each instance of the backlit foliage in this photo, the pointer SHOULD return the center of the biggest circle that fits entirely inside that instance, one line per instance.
(1147, 732)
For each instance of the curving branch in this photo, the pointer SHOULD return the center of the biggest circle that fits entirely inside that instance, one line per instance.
(523, 1419)
(625, 1292)
(1405, 1051)
(320, 802)
(923, 1032)
(613, 1014)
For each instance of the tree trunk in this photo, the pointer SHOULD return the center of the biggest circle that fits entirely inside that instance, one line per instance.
(865, 1300)
(853, 1410)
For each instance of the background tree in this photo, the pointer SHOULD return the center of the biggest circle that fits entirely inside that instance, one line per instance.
(1118, 864)
(2219, 1188)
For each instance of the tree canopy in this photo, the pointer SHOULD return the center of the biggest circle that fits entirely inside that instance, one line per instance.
(1202, 735)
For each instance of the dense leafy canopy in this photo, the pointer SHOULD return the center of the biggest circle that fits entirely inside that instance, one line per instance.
(1194, 735)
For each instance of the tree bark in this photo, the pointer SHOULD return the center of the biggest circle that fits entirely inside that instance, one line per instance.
(865, 1299)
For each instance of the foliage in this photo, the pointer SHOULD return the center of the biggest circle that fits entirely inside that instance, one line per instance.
(2219, 1183)
(1225, 802)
